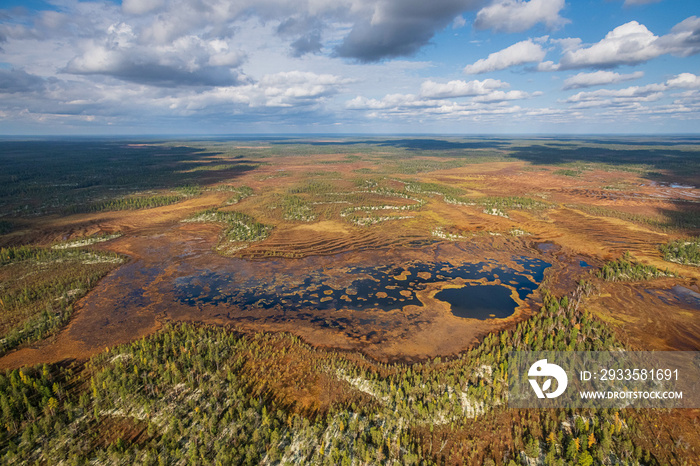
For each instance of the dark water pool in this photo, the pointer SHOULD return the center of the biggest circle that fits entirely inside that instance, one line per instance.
(385, 287)
(479, 302)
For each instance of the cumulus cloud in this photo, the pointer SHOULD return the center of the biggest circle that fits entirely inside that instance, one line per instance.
(488, 107)
(626, 97)
(501, 96)
(519, 53)
(632, 43)
(547, 66)
(432, 90)
(207, 61)
(410, 104)
(518, 15)
(284, 98)
(636, 95)
(374, 29)
(599, 78)
(684, 38)
(433, 97)
(684, 81)
(189, 61)
(633, 92)
(393, 28)
(568, 43)
(364, 30)
(284, 89)
(280, 87)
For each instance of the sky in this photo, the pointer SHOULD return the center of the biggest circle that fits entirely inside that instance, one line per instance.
(184, 67)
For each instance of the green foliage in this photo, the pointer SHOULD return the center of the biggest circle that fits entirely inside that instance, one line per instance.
(295, 208)
(682, 251)
(241, 193)
(86, 240)
(415, 166)
(211, 395)
(513, 202)
(208, 167)
(131, 203)
(84, 175)
(40, 287)
(499, 203)
(568, 172)
(189, 190)
(624, 269)
(239, 226)
(432, 188)
(16, 254)
(313, 187)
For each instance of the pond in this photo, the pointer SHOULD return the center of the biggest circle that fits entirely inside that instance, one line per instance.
(385, 287)
(479, 302)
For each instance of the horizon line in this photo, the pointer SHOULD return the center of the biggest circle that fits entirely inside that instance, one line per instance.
(345, 135)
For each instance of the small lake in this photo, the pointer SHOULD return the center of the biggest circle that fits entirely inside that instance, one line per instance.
(385, 287)
(479, 302)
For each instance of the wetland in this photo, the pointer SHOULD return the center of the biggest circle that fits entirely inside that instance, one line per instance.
(337, 285)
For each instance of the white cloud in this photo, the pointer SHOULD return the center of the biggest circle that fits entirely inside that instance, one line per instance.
(389, 101)
(187, 61)
(547, 66)
(632, 99)
(684, 81)
(684, 38)
(284, 89)
(518, 16)
(433, 98)
(567, 43)
(630, 44)
(517, 54)
(599, 78)
(501, 96)
(214, 65)
(411, 105)
(433, 90)
(626, 93)
(617, 97)
(633, 43)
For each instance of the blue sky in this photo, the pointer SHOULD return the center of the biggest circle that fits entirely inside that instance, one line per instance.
(349, 66)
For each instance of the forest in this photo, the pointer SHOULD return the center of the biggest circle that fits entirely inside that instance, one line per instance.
(194, 394)
(683, 251)
(40, 286)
